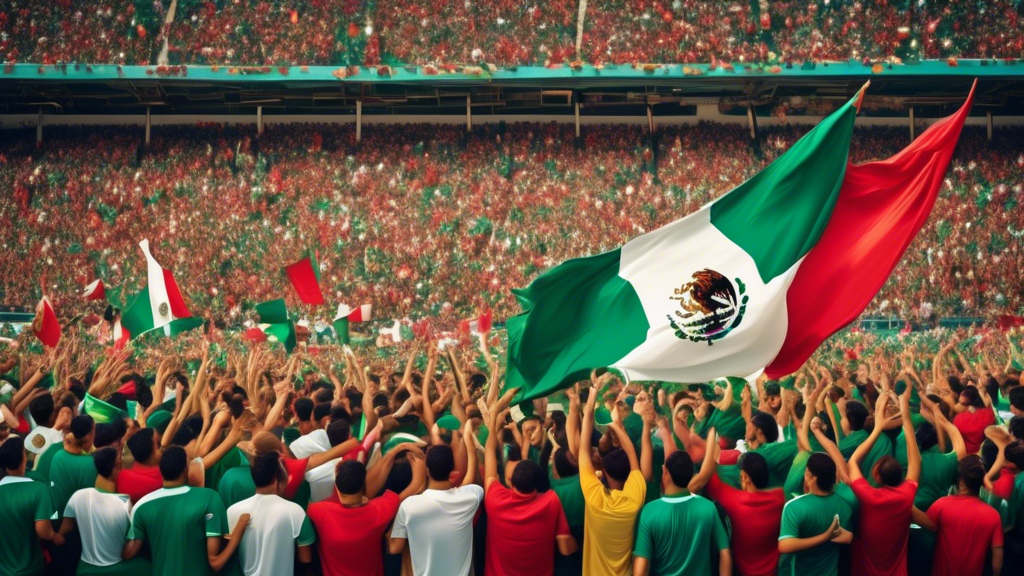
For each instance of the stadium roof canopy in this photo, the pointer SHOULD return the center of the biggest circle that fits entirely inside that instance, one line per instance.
(109, 89)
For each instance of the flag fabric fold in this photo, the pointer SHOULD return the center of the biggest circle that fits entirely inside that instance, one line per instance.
(275, 325)
(881, 207)
(701, 298)
(479, 325)
(95, 291)
(305, 278)
(348, 316)
(159, 305)
(45, 325)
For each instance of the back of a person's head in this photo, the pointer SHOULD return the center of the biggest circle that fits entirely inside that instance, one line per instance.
(339, 412)
(323, 392)
(756, 468)
(972, 397)
(350, 477)
(926, 436)
(1016, 427)
(527, 477)
(303, 409)
(823, 468)
(616, 464)
(564, 465)
(971, 472)
(680, 468)
(889, 471)
(400, 476)
(110, 433)
(1015, 454)
(1017, 397)
(857, 414)
(266, 469)
(264, 442)
(12, 453)
(81, 426)
(321, 411)
(183, 436)
(173, 463)
(143, 394)
(41, 409)
(767, 425)
(141, 445)
(440, 462)
(105, 460)
(338, 431)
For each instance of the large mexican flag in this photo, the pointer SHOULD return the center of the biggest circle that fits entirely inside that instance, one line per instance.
(160, 305)
(710, 295)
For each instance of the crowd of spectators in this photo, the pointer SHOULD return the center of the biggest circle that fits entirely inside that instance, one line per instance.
(429, 219)
(504, 32)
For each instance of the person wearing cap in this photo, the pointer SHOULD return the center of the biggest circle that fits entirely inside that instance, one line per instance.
(25, 511)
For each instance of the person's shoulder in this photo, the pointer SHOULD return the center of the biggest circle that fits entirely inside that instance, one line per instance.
(323, 508)
(474, 490)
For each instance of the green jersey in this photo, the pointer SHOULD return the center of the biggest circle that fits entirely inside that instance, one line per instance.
(778, 455)
(41, 468)
(176, 522)
(68, 474)
(23, 502)
(811, 515)
(882, 447)
(233, 459)
(938, 474)
(900, 450)
(794, 485)
(570, 494)
(678, 535)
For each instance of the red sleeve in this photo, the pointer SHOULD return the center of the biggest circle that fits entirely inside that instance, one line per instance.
(388, 503)
(861, 489)
(23, 427)
(717, 490)
(935, 511)
(296, 473)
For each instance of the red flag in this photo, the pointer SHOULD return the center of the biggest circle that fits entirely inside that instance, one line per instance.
(881, 207)
(479, 325)
(95, 291)
(45, 325)
(305, 277)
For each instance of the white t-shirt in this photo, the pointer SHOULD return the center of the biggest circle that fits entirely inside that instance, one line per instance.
(321, 481)
(312, 443)
(439, 527)
(102, 520)
(41, 438)
(275, 527)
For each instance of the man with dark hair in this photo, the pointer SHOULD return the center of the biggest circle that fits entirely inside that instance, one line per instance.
(522, 524)
(43, 412)
(854, 418)
(880, 548)
(678, 531)
(321, 476)
(967, 526)
(612, 510)
(754, 510)
(144, 476)
(350, 529)
(72, 468)
(110, 434)
(101, 517)
(438, 524)
(815, 524)
(313, 429)
(279, 531)
(762, 436)
(183, 525)
(1016, 397)
(25, 510)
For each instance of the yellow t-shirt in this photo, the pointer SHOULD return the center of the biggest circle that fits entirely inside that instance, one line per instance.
(610, 516)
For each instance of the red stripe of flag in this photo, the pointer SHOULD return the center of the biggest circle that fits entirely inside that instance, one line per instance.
(177, 303)
(881, 207)
(304, 278)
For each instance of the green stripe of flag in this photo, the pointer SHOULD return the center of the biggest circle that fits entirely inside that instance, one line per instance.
(778, 215)
(138, 318)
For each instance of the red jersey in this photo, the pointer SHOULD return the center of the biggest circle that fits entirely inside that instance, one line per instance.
(138, 481)
(349, 539)
(880, 548)
(521, 530)
(296, 474)
(968, 528)
(1003, 486)
(972, 427)
(756, 518)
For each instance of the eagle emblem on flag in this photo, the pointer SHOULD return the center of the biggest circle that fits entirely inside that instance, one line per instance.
(710, 306)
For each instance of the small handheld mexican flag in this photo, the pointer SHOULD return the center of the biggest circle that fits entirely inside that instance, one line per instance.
(95, 291)
(305, 278)
(45, 325)
(275, 325)
(479, 325)
(712, 294)
(348, 316)
(159, 305)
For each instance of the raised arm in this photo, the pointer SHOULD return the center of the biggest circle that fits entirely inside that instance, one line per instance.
(709, 466)
(867, 445)
(913, 451)
(842, 472)
(471, 459)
